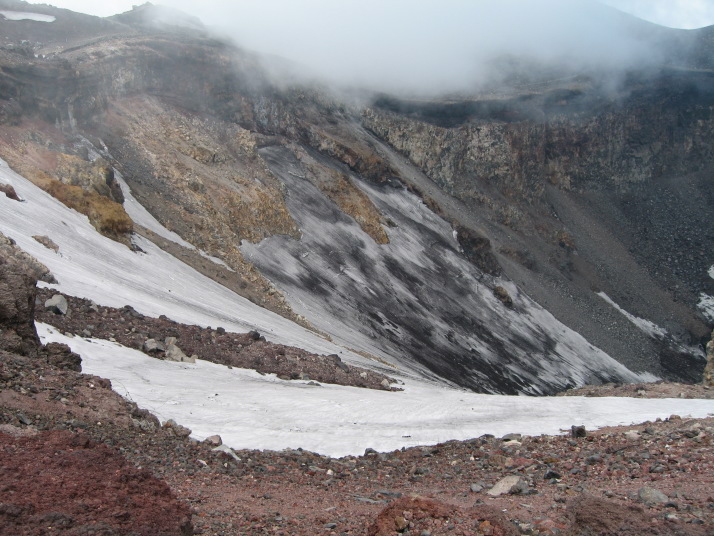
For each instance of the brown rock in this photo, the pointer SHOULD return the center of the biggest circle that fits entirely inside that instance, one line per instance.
(421, 515)
(61, 356)
(17, 301)
(418, 508)
(9, 191)
(47, 242)
(503, 296)
(592, 516)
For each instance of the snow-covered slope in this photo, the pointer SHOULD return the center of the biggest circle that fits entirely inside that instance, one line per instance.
(254, 411)
(250, 410)
(91, 266)
(417, 298)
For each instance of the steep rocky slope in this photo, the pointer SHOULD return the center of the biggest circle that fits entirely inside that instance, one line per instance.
(476, 239)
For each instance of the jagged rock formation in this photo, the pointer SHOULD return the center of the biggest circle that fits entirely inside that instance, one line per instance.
(17, 300)
(390, 226)
(19, 273)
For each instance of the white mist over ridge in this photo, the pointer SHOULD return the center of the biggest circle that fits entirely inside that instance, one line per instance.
(434, 47)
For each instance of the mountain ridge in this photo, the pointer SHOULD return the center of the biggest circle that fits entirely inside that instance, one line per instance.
(214, 149)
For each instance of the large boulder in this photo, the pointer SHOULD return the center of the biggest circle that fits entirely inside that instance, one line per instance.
(174, 353)
(35, 268)
(57, 304)
(19, 273)
(17, 300)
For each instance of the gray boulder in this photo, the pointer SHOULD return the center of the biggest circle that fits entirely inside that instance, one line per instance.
(512, 484)
(152, 346)
(651, 496)
(174, 353)
(214, 440)
(57, 304)
(176, 429)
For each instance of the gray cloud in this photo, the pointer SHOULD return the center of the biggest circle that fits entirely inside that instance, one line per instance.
(428, 46)
(674, 13)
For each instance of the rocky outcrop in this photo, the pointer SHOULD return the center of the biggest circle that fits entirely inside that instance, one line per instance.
(574, 139)
(96, 176)
(709, 369)
(18, 291)
(17, 299)
(165, 339)
(37, 270)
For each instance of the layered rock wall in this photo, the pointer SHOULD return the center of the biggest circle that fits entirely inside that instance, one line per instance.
(612, 143)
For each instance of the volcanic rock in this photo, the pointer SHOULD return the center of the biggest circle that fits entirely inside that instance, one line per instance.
(651, 496)
(9, 191)
(17, 299)
(511, 485)
(57, 304)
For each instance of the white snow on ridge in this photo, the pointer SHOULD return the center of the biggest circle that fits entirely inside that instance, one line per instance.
(143, 217)
(648, 327)
(253, 411)
(706, 306)
(22, 15)
(711, 272)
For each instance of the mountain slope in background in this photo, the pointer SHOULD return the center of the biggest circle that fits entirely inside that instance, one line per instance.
(546, 233)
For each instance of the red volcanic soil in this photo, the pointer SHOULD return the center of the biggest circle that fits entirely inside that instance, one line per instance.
(58, 482)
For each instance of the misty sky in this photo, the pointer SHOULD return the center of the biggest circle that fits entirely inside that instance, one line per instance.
(429, 46)
(674, 13)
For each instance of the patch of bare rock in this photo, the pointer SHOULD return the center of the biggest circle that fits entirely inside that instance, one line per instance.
(166, 339)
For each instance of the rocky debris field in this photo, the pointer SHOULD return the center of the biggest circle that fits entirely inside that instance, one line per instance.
(653, 478)
(645, 390)
(126, 326)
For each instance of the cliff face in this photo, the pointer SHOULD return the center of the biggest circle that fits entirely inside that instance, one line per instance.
(570, 139)
(583, 190)
(393, 226)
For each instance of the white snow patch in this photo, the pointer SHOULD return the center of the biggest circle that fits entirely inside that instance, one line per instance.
(92, 266)
(253, 411)
(23, 15)
(711, 272)
(143, 217)
(648, 327)
(706, 306)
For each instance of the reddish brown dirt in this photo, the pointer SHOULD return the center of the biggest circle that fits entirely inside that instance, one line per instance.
(63, 483)
(301, 493)
(244, 350)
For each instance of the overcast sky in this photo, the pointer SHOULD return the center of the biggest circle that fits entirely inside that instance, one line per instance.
(434, 46)
(674, 13)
